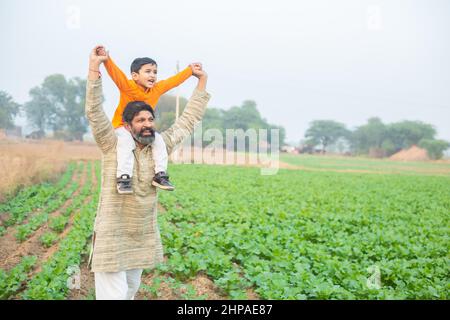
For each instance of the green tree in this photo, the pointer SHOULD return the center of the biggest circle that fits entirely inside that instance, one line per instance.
(406, 133)
(54, 89)
(242, 117)
(281, 134)
(390, 138)
(8, 110)
(165, 111)
(72, 117)
(168, 103)
(435, 148)
(58, 105)
(165, 120)
(325, 132)
(247, 117)
(370, 135)
(213, 119)
(38, 110)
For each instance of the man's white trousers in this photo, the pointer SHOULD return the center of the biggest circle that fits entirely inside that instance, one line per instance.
(121, 285)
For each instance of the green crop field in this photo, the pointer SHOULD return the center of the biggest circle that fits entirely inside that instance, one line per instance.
(310, 235)
(299, 234)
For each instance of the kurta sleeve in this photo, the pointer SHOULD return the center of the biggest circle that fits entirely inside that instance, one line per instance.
(165, 85)
(119, 78)
(185, 124)
(102, 128)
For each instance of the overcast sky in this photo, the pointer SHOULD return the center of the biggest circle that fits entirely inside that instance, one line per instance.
(300, 61)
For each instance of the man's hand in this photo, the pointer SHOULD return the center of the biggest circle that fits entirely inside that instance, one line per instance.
(202, 77)
(199, 73)
(98, 55)
(197, 70)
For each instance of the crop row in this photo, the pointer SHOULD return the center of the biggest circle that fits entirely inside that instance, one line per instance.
(34, 197)
(40, 218)
(59, 223)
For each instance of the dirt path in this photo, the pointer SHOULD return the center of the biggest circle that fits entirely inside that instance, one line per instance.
(202, 284)
(394, 170)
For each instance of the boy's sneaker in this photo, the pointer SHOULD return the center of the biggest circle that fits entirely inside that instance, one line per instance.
(124, 184)
(161, 180)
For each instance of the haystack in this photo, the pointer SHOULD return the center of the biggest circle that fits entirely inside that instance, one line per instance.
(414, 153)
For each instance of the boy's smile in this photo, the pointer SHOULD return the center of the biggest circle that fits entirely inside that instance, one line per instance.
(147, 75)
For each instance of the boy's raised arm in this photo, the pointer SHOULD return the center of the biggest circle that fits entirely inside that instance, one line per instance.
(165, 85)
(117, 75)
(192, 114)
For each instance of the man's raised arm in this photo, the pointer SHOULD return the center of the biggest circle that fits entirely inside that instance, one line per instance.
(102, 128)
(191, 115)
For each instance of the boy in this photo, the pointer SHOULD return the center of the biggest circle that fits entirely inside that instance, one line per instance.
(142, 87)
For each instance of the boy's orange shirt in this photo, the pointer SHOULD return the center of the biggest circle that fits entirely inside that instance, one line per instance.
(131, 91)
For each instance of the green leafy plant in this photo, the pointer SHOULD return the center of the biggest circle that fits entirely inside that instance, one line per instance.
(58, 223)
(48, 239)
(11, 281)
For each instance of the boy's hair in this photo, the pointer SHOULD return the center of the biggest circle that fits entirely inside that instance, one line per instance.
(133, 108)
(139, 62)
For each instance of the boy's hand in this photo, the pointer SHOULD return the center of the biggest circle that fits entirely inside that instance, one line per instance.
(98, 55)
(101, 51)
(195, 66)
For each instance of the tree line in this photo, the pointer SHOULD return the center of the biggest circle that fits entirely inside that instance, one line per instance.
(57, 105)
(374, 138)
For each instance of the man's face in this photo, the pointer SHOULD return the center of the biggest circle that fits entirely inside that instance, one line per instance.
(146, 77)
(142, 127)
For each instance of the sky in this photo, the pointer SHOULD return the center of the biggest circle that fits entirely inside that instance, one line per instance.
(300, 61)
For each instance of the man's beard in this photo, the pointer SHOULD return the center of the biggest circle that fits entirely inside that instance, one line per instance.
(145, 140)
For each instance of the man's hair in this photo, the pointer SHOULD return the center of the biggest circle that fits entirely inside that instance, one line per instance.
(139, 62)
(133, 108)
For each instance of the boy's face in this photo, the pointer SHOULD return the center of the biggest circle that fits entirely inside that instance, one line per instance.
(146, 77)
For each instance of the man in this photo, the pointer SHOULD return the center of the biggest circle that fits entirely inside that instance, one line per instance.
(126, 235)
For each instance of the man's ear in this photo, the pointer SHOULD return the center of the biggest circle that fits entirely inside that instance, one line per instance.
(134, 76)
(127, 126)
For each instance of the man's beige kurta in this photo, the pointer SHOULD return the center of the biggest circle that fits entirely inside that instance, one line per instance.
(126, 230)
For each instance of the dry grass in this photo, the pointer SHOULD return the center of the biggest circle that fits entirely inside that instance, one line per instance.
(24, 162)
